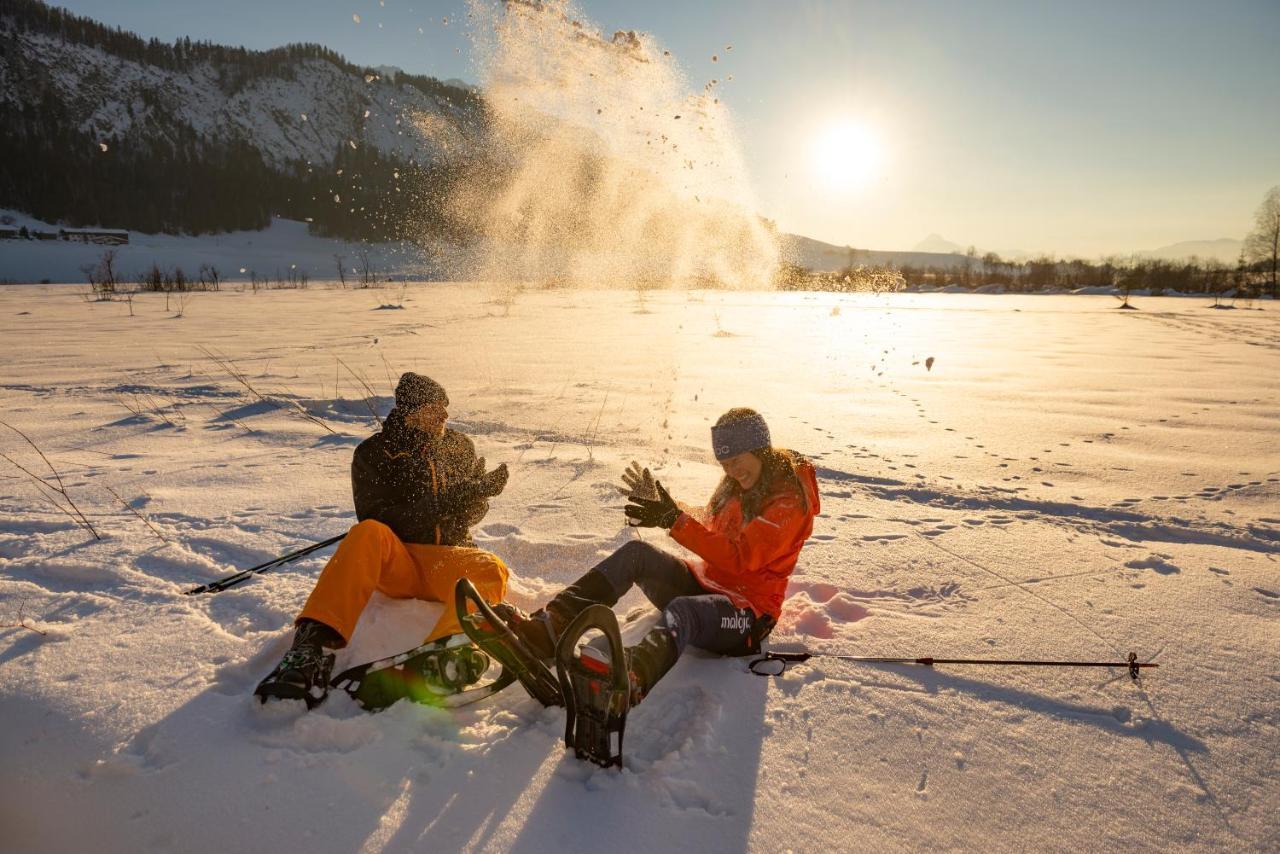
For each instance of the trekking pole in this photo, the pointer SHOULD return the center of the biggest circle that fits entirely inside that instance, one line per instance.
(233, 580)
(787, 658)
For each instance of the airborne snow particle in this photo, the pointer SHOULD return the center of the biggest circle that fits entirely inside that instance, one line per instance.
(355, 17)
(351, 143)
(715, 58)
(366, 114)
(304, 116)
(102, 145)
(928, 364)
(337, 198)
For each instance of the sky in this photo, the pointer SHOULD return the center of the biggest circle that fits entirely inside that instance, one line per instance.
(1079, 129)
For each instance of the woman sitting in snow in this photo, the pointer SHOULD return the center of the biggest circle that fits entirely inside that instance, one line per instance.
(418, 489)
(748, 539)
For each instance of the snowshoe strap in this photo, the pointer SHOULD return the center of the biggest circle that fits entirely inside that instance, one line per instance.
(495, 637)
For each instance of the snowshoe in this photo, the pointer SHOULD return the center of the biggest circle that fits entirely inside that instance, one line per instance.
(440, 673)
(493, 635)
(597, 688)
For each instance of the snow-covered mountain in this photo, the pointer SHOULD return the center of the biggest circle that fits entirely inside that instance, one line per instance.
(936, 243)
(81, 99)
(295, 104)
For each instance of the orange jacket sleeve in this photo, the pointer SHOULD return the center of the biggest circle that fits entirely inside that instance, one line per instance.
(765, 538)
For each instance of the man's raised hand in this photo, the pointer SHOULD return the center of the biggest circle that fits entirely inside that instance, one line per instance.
(495, 481)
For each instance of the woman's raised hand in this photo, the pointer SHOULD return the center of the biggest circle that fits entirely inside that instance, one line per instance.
(638, 483)
(660, 512)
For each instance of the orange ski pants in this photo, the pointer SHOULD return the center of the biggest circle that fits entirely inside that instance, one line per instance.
(371, 557)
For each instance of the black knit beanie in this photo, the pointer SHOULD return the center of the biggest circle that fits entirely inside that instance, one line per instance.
(415, 391)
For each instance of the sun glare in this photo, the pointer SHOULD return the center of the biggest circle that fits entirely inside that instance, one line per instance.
(846, 155)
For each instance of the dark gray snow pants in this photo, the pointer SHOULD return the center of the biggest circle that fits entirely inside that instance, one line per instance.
(697, 617)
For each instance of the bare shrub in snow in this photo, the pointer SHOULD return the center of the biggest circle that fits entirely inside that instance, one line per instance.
(368, 275)
(341, 262)
(102, 277)
(288, 404)
(22, 621)
(210, 279)
(505, 295)
(129, 507)
(54, 491)
(143, 405)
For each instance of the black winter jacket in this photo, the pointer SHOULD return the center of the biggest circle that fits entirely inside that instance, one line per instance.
(426, 489)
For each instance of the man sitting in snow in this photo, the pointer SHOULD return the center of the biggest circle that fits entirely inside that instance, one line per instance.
(418, 487)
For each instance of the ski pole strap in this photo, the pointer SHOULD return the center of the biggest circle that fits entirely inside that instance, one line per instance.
(765, 666)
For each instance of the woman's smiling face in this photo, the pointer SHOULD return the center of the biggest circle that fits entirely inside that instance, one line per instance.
(744, 468)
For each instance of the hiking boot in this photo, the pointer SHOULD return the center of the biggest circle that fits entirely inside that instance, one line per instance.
(647, 661)
(534, 630)
(303, 673)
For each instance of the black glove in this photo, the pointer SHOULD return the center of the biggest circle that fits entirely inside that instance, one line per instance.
(637, 482)
(495, 481)
(648, 513)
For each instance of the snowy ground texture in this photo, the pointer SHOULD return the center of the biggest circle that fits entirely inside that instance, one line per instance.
(1067, 481)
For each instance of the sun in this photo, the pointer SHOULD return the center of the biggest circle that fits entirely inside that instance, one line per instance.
(846, 155)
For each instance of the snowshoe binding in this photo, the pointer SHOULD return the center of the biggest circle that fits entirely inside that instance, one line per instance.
(597, 688)
(494, 635)
(442, 673)
(303, 673)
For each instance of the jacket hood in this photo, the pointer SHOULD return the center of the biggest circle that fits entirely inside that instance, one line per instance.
(809, 482)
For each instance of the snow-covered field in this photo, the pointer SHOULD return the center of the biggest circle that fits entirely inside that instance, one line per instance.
(270, 254)
(1066, 481)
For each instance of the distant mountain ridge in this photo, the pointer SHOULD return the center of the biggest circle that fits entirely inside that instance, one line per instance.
(937, 244)
(827, 257)
(1223, 249)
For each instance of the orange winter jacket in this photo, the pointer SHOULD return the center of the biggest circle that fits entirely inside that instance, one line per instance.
(751, 563)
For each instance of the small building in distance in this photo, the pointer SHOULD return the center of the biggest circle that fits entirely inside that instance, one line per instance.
(101, 236)
(8, 232)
